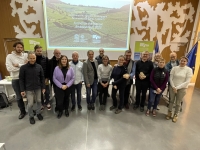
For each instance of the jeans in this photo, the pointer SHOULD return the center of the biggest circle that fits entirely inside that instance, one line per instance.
(16, 87)
(103, 91)
(127, 93)
(47, 95)
(62, 96)
(32, 96)
(141, 86)
(153, 99)
(92, 87)
(77, 88)
(121, 96)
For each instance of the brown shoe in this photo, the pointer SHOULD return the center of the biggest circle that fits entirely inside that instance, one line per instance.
(175, 118)
(169, 115)
(154, 113)
(147, 112)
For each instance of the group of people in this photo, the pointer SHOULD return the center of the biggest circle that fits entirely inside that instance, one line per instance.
(32, 73)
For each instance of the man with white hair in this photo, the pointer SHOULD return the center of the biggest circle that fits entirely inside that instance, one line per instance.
(77, 86)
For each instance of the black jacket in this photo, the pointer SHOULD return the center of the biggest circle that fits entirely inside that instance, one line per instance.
(117, 75)
(31, 77)
(52, 65)
(43, 61)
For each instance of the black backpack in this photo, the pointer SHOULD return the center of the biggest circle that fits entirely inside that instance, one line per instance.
(4, 100)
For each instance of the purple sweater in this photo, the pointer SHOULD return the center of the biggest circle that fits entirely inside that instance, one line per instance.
(58, 77)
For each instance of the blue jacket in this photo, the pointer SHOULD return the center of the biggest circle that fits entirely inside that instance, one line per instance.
(168, 66)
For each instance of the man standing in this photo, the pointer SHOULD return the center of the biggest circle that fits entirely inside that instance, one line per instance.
(77, 66)
(13, 63)
(43, 61)
(142, 82)
(90, 78)
(129, 63)
(173, 62)
(53, 62)
(31, 79)
(100, 56)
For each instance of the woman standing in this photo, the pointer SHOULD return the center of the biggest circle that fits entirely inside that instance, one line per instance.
(118, 84)
(104, 72)
(63, 77)
(180, 77)
(159, 77)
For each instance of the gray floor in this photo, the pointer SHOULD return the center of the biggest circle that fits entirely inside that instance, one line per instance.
(97, 130)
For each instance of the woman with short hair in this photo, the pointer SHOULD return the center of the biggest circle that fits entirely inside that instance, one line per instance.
(63, 77)
(158, 78)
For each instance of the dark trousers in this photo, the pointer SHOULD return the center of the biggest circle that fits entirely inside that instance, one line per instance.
(92, 87)
(76, 88)
(103, 91)
(127, 93)
(62, 98)
(16, 87)
(141, 87)
(46, 97)
(121, 96)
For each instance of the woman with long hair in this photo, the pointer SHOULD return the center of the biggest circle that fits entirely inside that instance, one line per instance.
(63, 77)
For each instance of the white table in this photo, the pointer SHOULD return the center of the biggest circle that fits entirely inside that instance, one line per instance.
(7, 85)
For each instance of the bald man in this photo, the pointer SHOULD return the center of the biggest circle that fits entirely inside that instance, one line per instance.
(53, 62)
(173, 62)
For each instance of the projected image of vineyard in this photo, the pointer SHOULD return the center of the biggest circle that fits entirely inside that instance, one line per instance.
(72, 25)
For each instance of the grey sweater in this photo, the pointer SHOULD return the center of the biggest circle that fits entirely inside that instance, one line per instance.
(104, 72)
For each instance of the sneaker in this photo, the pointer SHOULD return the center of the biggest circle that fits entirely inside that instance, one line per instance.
(158, 108)
(22, 115)
(112, 107)
(141, 109)
(48, 106)
(40, 117)
(92, 106)
(32, 120)
(135, 107)
(147, 112)
(89, 107)
(66, 113)
(154, 113)
(79, 107)
(59, 115)
(73, 108)
(118, 111)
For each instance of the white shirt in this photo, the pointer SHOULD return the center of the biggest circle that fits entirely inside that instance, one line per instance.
(13, 58)
(180, 77)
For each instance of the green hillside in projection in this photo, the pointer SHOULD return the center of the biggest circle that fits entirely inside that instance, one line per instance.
(72, 25)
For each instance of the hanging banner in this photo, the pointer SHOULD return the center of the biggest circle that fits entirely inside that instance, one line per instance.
(141, 46)
(29, 43)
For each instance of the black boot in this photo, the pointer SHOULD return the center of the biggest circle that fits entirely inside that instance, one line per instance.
(59, 114)
(66, 113)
